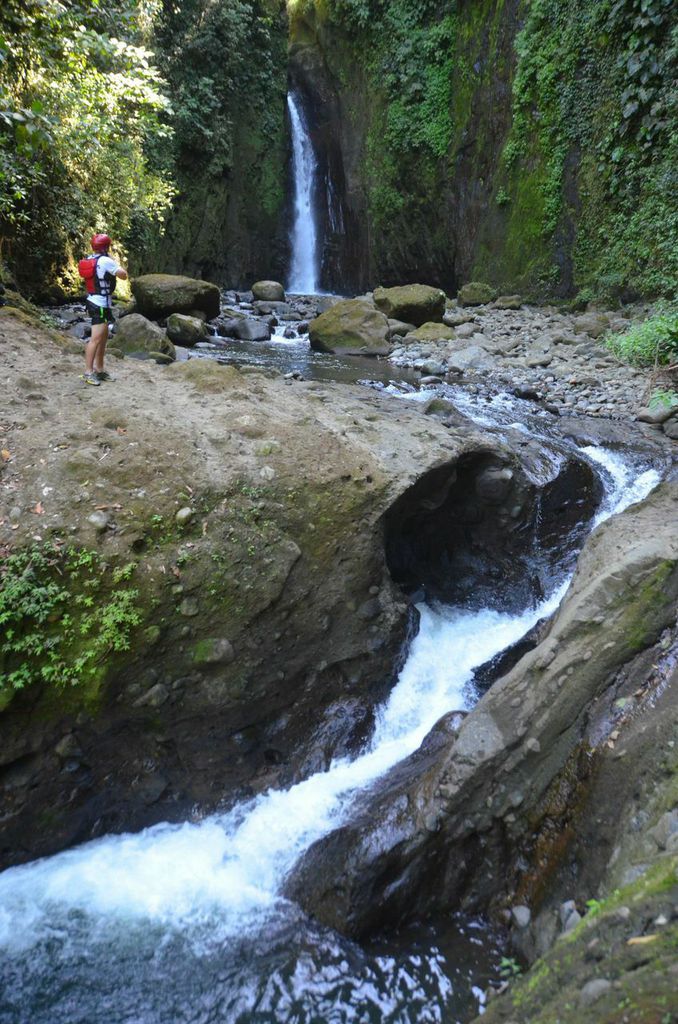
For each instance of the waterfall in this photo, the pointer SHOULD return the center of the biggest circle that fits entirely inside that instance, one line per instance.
(304, 270)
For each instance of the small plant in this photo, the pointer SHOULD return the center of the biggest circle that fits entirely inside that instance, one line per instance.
(593, 907)
(651, 343)
(509, 968)
(663, 398)
(62, 613)
(502, 197)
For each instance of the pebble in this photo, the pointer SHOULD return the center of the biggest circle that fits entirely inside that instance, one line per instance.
(99, 520)
(593, 990)
(521, 915)
(184, 516)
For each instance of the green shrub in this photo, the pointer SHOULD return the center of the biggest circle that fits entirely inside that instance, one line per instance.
(62, 613)
(653, 342)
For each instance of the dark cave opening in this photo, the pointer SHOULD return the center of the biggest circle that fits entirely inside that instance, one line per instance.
(480, 532)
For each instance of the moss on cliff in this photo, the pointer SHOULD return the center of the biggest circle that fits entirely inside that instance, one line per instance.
(527, 142)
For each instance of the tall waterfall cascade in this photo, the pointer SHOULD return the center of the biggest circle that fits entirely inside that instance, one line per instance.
(304, 238)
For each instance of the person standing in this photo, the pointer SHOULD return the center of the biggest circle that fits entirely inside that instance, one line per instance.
(102, 275)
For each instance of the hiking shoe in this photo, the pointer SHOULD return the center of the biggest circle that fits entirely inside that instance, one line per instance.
(91, 378)
(103, 375)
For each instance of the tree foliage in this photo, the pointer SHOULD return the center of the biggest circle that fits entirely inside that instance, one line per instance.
(81, 101)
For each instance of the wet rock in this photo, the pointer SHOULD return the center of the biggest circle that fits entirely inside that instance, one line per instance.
(252, 330)
(416, 304)
(276, 308)
(268, 291)
(368, 872)
(670, 429)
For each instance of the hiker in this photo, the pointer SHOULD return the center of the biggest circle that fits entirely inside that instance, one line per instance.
(100, 272)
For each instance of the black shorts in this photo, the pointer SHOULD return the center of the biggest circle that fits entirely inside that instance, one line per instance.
(99, 314)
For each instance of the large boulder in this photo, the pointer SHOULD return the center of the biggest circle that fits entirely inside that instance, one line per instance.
(353, 327)
(158, 295)
(137, 334)
(268, 291)
(414, 303)
(476, 293)
(185, 330)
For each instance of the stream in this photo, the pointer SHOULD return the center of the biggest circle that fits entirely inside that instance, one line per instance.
(185, 923)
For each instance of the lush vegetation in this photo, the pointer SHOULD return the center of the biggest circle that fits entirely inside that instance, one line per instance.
(547, 134)
(81, 103)
(111, 110)
(654, 342)
(594, 116)
(63, 613)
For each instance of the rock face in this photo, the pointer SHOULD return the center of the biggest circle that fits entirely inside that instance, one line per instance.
(135, 333)
(185, 330)
(353, 327)
(268, 291)
(460, 822)
(413, 303)
(158, 295)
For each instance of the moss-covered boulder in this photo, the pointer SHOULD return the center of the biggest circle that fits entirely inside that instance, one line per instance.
(476, 293)
(158, 295)
(353, 327)
(137, 334)
(413, 303)
(430, 332)
(508, 302)
(268, 291)
(185, 330)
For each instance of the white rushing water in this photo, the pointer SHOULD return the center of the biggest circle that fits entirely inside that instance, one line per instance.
(304, 269)
(187, 922)
(229, 868)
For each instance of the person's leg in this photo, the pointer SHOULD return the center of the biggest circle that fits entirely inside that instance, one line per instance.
(98, 339)
(100, 351)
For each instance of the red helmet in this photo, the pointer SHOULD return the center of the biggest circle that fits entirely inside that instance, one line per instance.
(101, 242)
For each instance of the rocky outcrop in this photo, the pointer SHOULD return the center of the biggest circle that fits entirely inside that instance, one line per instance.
(461, 822)
(353, 327)
(416, 304)
(207, 513)
(159, 295)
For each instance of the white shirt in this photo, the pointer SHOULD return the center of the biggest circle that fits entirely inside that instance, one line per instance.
(104, 265)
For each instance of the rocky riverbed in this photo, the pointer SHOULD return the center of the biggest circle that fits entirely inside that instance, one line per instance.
(554, 358)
